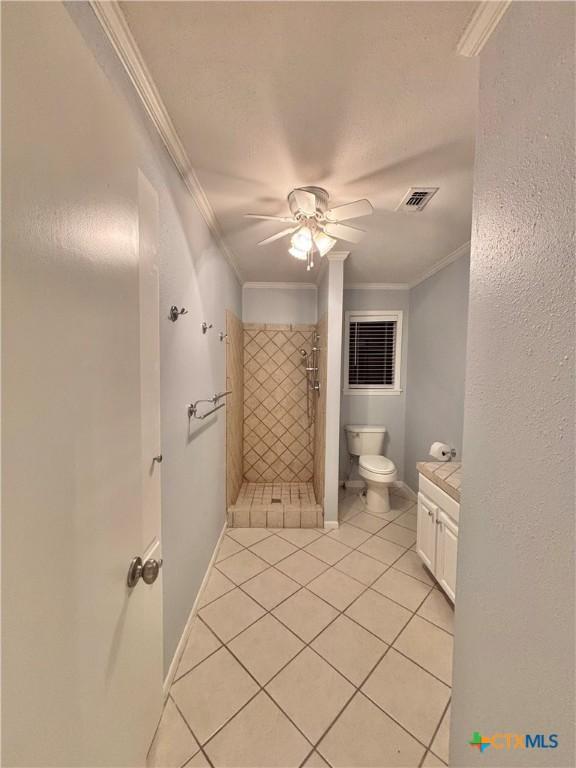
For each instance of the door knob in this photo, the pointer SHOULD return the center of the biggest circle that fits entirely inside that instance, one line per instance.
(134, 572)
(150, 571)
(147, 571)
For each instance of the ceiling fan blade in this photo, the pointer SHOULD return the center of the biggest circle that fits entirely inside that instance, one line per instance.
(278, 235)
(272, 218)
(305, 201)
(344, 232)
(350, 211)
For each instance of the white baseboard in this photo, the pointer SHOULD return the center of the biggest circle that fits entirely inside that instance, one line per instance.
(188, 626)
(331, 524)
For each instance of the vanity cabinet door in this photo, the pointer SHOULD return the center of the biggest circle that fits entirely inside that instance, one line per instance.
(426, 531)
(447, 545)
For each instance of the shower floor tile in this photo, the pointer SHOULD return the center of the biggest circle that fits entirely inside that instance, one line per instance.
(276, 505)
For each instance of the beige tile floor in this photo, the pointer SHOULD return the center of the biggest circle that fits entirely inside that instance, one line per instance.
(315, 649)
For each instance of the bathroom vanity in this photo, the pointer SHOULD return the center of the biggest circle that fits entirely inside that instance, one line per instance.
(438, 518)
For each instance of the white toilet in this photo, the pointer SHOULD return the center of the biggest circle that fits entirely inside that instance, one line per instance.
(379, 472)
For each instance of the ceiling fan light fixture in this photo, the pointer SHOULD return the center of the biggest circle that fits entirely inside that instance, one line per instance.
(302, 239)
(316, 227)
(324, 243)
(298, 253)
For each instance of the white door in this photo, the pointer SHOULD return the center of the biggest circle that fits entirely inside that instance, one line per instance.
(426, 531)
(446, 554)
(123, 699)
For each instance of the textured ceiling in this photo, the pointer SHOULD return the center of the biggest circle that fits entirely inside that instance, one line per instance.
(364, 99)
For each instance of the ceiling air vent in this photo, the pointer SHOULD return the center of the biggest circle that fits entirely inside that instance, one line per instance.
(417, 198)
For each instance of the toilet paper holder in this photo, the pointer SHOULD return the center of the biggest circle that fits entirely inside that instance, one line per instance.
(442, 451)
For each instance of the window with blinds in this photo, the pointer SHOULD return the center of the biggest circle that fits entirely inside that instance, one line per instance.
(373, 345)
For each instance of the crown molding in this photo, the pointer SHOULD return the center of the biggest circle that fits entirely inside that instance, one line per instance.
(376, 286)
(482, 24)
(287, 286)
(462, 250)
(115, 26)
(338, 255)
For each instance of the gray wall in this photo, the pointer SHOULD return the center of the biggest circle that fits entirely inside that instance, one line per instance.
(436, 361)
(386, 410)
(270, 303)
(192, 274)
(514, 652)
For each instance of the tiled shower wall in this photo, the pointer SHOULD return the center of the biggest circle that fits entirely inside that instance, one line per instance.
(234, 406)
(320, 422)
(278, 441)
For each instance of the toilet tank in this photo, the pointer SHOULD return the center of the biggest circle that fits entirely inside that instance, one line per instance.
(364, 440)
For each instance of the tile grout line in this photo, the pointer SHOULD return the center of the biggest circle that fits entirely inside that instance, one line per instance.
(305, 586)
(366, 587)
(200, 749)
(357, 689)
(340, 612)
(429, 749)
(373, 702)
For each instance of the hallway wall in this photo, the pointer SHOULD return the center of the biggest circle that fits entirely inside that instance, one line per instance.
(514, 639)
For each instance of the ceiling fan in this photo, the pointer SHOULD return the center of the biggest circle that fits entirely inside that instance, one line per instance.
(315, 228)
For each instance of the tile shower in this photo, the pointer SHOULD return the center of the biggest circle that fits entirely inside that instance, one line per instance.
(275, 424)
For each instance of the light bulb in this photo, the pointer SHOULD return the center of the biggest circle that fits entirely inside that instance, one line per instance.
(298, 254)
(302, 239)
(324, 242)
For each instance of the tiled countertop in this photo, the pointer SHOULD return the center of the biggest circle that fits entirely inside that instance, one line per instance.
(447, 475)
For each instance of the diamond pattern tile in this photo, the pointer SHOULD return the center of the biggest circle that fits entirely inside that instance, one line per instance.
(407, 693)
(265, 647)
(200, 644)
(275, 397)
(270, 588)
(379, 615)
(260, 736)
(230, 614)
(349, 648)
(302, 567)
(212, 692)
(173, 743)
(305, 614)
(311, 692)
(364, 736)
(241, 567)
(270, 671)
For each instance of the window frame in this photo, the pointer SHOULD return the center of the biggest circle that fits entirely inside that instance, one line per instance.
(374, 314)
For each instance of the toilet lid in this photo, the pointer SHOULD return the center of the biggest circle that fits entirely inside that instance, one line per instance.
(380, 465)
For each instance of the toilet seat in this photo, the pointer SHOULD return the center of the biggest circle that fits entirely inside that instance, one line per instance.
(377, 465)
